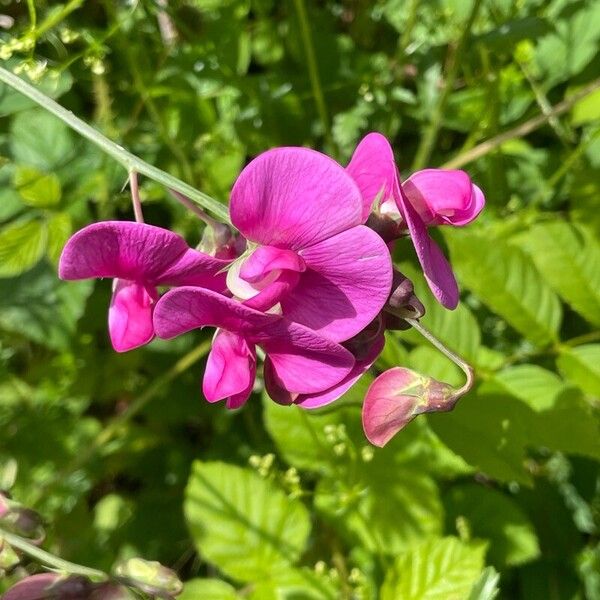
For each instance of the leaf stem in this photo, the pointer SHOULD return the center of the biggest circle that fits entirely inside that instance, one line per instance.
(313, 70)
(429, 139)
(520, 130)
(124, 157)
(465, 367)
(49, 560)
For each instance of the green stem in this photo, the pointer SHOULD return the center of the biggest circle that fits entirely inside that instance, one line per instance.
(135, 197)
(117, 422)
(465, 367)
(520, 130)
(428, 141)
(56, 17)
(129, 161)
(49, 560)
(313, 71)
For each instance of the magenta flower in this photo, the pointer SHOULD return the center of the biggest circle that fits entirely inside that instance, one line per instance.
(302, 361)
(429, 197)
(309, 253)
(141, 258)
(365, 347)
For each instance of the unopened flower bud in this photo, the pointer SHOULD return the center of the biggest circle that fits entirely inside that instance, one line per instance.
(149, 576)
(396, 397)
(402, 301)
(24, 522)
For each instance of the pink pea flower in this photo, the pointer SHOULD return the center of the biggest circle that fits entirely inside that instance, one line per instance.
(140, 258)
(365, 347)
(301, 360)
(309, 253)
(426, 198)
(396, 397)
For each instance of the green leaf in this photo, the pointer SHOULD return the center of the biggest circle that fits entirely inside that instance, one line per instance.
(489, 432)
(486, 587)
(568, 257)
(304, 583)
(494, 516)
(208, 589)
(586, 110)
(41, 140)
(581, 365)
(242, 523)
(505, 279)
(437, 569)
(37, 189)
(537, 387)
(385, 511)
(457, 329)
(60, 227)
(42, 308)
(22, 244)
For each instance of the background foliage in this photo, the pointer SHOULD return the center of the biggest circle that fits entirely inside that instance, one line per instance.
(122, 455)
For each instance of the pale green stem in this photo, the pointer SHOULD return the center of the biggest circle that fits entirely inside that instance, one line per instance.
(313, 70)
(49, 560)
(129, 161)
(135, 197)
(430, 137)
(520, 130)
(56, 17)
(457, 360)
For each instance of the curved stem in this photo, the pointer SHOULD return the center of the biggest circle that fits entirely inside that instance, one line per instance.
(135, 197)
(49, 560)
(124, 157)
(465, 367)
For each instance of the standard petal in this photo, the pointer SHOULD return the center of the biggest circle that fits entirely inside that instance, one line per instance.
(186, 308)
(230, 369)
(346, 284)
(333, 393)
(293, 198)
(373, 169)
(130, 315)
(443, 196)
(122, 249)
(436, 268)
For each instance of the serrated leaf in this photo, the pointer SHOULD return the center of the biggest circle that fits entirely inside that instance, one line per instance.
(494, 516)
(486, 587)
(22, 244)
(438, 569)
(581, 365)
(208, 589)
(37, 189)
(569, 259)
(505, 279)
(304, 583)
(242, 523)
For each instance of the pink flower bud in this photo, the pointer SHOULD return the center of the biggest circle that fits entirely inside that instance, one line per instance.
(396, 397)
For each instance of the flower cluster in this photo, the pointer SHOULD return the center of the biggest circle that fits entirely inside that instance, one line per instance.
(311, 284)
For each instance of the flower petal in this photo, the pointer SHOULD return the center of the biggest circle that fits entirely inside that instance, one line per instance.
(346, 284)
(443, 196)
(303, 360)
(137, 252)
(436, 268)
(230, 369)
(333, 393)
(373, 169)
(130, 315)
(266, 259)
(293, 198)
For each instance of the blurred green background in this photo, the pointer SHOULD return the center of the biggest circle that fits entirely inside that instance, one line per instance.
(120, 452)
